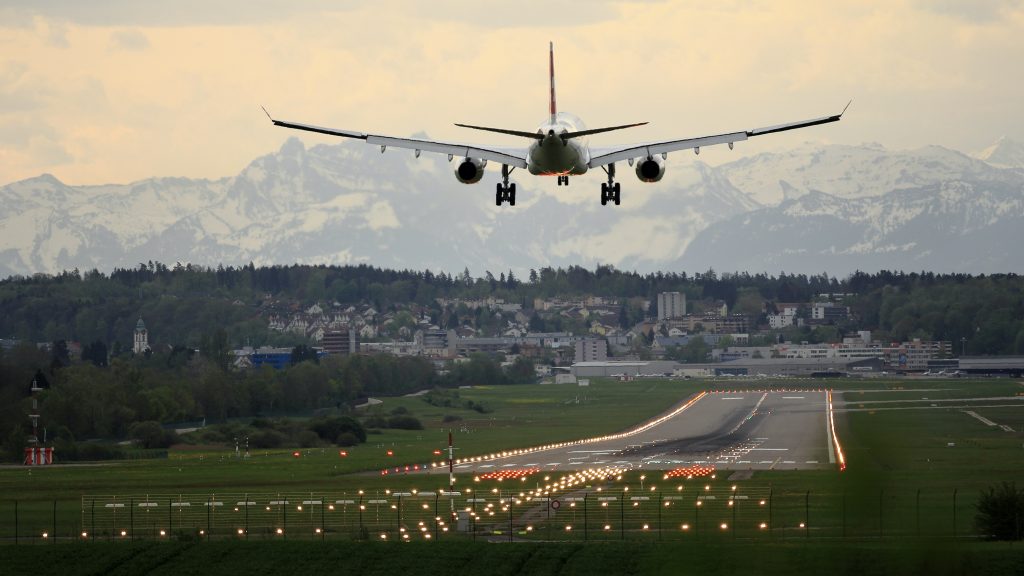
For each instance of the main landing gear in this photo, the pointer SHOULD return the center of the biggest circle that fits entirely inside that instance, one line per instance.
(505, 191)
(563, 180)
(610, 190)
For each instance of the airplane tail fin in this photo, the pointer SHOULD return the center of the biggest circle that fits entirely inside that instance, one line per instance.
(551, 70)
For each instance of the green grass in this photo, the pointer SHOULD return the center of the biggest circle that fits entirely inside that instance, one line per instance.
(468, 558)
(900, 482)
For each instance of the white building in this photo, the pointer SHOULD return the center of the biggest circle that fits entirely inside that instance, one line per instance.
(140, 342)
(671, 305)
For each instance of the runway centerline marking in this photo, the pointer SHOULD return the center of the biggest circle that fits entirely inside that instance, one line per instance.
(733, 397)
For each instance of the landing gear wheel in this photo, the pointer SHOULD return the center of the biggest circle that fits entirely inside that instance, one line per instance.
(604, 193)
(617, 193)
(499, 196)
(511, 195)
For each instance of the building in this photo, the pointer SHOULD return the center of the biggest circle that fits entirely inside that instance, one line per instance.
(341, 342)
(671, 305)
(591, 350)
(436, 342)
(140, 342)
(829, 313)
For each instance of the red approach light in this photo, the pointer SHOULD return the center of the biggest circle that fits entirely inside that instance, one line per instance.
(296, 453)
(503, 474)
(342, 453)
(391, 452)
(437, 452)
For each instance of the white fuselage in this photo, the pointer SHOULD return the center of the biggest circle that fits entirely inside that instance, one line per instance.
(554, 156)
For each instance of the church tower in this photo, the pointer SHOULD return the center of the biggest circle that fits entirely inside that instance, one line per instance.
(141, 342)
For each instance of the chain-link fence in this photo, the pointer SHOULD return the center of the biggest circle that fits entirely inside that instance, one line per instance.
(693, 511)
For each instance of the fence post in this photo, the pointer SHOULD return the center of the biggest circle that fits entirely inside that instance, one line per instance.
(771, 520)
(246, 516)
(436, 516)
(735, 504)
(807, 514)
(131, 517)
(622, 516)
(954, 512)
(586, 529)
(209, 509)
(548, 499)
(696, 516)
(881, 513)
(284, 516)
(661, 504)
(54, 533)
(92, 513)
(398, 526)
(360, 515)
(511, 497)
(15, 522)
(918, 512)
(844, 514)
(323, 529)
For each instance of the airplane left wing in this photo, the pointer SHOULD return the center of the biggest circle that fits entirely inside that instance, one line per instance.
(608, 156)
(494, 154)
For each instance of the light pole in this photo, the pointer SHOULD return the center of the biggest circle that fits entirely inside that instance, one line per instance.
(963, 346)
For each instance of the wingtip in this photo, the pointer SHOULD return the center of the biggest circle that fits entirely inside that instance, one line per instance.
(267, 113)
(845, 107)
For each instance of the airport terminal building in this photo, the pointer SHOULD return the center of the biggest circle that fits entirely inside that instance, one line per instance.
(790, 367)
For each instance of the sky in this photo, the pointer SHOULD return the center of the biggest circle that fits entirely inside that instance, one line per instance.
(117, 91)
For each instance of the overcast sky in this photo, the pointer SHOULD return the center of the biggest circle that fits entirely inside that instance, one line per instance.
(115, 91)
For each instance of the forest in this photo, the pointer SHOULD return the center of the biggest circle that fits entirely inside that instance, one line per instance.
(190, 302)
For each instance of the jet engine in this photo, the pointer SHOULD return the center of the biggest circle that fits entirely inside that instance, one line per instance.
(650, 169)
(470, 170)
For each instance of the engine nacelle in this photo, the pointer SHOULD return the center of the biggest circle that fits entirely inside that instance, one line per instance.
(470, 170)
(650, 169)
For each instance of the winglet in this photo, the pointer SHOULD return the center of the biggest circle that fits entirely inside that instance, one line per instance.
(267, 113)
(845, 107)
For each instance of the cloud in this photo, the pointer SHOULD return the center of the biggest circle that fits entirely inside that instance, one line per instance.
(972, 11)
(131, 40)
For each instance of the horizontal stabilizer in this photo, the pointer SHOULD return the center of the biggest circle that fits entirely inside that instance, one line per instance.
(569, 135)
(534, 135)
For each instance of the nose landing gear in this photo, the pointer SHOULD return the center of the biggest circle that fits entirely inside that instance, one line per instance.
(563, 180)
(611, 191)
(505, 191)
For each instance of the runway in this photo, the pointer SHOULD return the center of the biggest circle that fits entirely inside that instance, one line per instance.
(755, 430)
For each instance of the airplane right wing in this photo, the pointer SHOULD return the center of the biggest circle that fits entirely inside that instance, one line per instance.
(503, 156)
(607, 156)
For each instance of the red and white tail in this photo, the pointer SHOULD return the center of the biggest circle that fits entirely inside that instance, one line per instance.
(551, 69)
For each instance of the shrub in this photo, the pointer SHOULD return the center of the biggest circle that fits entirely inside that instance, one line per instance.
(451, 418)
(150, 434)
(346, 439)
(308, 439)
(399, 410)
(330, 428)
(1001, 512)
(376, 422)
(405, 423)
(267, 439)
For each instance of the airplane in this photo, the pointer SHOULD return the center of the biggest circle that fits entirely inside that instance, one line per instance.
(558, 147)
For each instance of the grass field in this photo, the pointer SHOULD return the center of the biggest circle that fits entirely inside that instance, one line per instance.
(469, 558)
(914, 469)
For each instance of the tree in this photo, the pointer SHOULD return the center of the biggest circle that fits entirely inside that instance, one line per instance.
(1001, 512)
(95, 353)
(301, 353)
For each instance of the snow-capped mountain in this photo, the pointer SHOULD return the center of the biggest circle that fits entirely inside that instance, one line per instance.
(814, 209)
(1005, 153)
